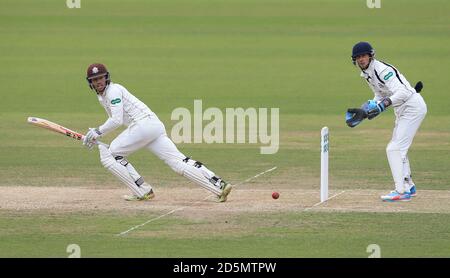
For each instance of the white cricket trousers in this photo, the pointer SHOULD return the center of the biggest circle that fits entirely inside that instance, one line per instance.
(409, 116)
(149, 133)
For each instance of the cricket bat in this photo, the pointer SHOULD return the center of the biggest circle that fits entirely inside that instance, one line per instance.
(57, 128)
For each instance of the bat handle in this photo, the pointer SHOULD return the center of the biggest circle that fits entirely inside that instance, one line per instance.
(97, 142)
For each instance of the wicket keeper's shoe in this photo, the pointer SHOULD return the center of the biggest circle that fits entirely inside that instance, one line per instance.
(150, 195)
(394, 196)
(412, 191)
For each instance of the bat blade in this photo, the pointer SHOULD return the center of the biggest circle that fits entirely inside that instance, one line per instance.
(55, 127)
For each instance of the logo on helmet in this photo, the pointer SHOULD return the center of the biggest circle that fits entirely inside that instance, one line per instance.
(94, 70)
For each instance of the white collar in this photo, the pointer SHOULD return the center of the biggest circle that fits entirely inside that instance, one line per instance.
(370, 68)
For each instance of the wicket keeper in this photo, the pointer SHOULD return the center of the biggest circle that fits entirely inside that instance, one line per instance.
(390, 88)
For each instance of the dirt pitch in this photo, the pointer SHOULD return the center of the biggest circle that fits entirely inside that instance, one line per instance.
(193, 202)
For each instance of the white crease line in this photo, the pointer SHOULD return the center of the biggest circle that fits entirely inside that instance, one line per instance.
(255, 176)
(181, 208)
(161, 216)
(319, 203)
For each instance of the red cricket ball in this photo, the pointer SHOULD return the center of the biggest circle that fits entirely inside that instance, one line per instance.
(275, 195)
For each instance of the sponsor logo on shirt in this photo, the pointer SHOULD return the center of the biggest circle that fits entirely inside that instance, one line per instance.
(387, 76)
(115, 101)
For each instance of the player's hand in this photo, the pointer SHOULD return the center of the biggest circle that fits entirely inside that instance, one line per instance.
(89, 145)
(380, 107)
(369, 105)
(355, 116)
(90, 137)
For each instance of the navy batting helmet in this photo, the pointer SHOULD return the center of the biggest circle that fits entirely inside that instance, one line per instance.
(360, 49)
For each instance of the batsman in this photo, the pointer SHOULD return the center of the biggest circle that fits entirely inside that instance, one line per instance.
(143, 130)
(390, 88)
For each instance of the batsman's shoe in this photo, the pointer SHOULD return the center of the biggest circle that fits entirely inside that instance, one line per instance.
(150, 195)
(224, 186)
(226, 189)
(394, 196)
(412, 191)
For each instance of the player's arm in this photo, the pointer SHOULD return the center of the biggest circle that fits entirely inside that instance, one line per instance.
(113, 122)
(400, 92)
(393, 82)
(116, 119)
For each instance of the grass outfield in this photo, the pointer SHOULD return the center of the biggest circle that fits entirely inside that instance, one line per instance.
(307, 234)
(292, 55)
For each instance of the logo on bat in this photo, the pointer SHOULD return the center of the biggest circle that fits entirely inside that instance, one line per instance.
(73, 135)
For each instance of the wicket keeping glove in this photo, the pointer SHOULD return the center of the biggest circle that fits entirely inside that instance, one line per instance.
(380, 107)
(355, 116)
(369, 105)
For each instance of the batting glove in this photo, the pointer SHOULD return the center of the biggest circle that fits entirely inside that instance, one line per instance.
(90, 137)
